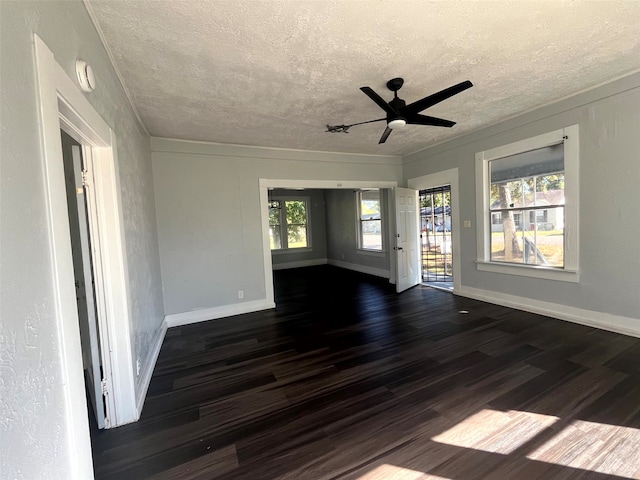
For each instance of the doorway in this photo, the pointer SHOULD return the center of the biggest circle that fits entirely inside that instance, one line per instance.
(63, 106)
(78, 204)
(436, 237)
(287, 184)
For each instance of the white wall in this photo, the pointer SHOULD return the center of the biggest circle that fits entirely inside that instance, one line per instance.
(208, 209)
(609, 123)
(34, 411)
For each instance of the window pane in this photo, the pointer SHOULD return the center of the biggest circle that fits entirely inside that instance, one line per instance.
(549, 190)
(528, 186)
(372, 234)
(370, 205)
(297, 236)
(506, 195)
(274, 212)
(296, 212)
(274, 238)
(274, 224)
(371, 226)
(369, 211)
(550, 182)
(533, 243)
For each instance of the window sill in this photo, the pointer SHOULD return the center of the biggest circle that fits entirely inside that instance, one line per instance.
(530, 271)
(373, 253)
(289, 251)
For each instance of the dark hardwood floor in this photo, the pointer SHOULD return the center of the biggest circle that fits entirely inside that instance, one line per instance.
(346, 379)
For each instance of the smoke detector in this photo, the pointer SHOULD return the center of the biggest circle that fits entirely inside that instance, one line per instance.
(86, 78)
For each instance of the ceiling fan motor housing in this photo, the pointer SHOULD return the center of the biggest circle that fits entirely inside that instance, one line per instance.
(395, 84)
(397, 104)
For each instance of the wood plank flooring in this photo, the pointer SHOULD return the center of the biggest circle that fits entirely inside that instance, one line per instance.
(347, 380)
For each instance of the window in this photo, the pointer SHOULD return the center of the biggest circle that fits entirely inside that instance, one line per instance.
(289, 223)
(369, 220)
(527, 206)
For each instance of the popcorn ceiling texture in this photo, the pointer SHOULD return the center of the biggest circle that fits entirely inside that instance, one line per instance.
(274, 73)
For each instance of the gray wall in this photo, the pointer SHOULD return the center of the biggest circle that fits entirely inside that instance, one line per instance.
(33, 408)
(342, 235)
(609, 123)
(317, 220)
(208, 209)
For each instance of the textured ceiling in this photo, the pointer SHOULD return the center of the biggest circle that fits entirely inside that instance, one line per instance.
(274, 73)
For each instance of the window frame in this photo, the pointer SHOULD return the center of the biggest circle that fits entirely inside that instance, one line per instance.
(570, 272)
(359, 247)
(283, 226)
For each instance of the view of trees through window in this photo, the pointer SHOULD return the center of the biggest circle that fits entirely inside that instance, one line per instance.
(288, 223)
(527, 219)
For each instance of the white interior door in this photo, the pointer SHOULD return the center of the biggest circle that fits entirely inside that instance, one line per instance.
(95, 367)
(83, 266)
(406, 238)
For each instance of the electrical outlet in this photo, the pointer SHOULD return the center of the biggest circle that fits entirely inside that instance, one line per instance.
(240, 294)
(467, 223)
(138, 367)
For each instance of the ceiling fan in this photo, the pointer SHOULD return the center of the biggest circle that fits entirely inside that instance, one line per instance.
(400, 114)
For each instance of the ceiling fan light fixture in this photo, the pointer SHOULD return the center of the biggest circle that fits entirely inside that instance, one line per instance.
(397, 123)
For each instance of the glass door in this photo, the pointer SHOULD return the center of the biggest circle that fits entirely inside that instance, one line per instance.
(435, 237)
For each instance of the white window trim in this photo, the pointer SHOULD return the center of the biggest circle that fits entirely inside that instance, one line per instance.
(570, 272)
(359, 248)
(309, 247)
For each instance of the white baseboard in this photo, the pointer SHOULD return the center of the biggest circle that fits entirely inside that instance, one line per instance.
(604, 321)
(185, 318)
(301, 263)
(378, 272)
(145, 379)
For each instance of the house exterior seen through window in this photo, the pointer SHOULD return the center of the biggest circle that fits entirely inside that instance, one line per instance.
(369, 220)
(289, 223)
(527, 207)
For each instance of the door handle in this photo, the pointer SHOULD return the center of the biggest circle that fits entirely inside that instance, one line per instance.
(397, 248)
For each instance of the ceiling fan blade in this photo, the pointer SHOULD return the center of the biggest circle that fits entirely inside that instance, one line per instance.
(385, 135)
(380, 101)
(417, 119)
(431, 100)
(368, 121)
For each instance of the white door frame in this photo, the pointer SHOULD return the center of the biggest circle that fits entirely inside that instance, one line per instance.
(267, 183)
(446, 177)
(63, 105)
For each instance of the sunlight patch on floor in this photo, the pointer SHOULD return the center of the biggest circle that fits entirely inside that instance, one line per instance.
(496, 431)
(612, 449)
(391, 472)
